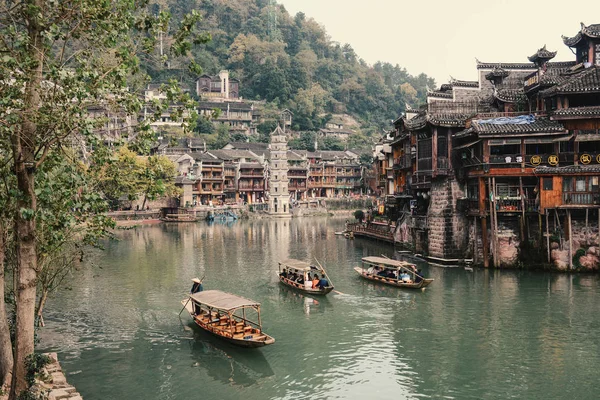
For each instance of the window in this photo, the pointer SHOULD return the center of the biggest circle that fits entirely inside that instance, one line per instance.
(580, 184)
(567, 184)
(547, 182)
(442, 146)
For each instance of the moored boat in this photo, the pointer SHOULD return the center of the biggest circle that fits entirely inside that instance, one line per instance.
(226, 316)
(300, 275)
(392, 272)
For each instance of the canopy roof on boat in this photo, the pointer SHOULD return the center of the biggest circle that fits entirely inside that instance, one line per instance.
(223, 301)
(299, 265)
(388, 262)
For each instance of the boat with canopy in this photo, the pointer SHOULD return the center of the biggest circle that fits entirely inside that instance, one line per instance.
(392, 272)
(228, 316)
(300, 275)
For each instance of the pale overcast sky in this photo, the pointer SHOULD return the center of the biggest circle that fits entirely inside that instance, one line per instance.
(442, 38)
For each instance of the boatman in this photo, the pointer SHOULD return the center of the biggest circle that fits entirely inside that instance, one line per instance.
(323, 283)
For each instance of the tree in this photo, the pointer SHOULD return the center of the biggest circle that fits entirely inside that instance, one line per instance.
(53, 67)
(157, 179)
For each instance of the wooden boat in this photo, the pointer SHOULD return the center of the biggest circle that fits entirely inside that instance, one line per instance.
(301, 268)
(225, 315)
(372, 266)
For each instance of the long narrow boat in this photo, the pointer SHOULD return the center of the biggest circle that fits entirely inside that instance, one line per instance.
(392, 272)
(291, 270)
(224, 315)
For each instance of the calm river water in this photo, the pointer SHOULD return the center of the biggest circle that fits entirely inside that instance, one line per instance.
(470, 335)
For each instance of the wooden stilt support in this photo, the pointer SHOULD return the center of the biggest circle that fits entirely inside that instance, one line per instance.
(485, 243)
(548, 237)
(586, 225)
(475, 240)
(495, 241)
(522, 222)
(570, 240)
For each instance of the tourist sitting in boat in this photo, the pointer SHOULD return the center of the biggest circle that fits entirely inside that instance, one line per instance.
(405, 277)
(382, 273)
(392, 274)
(315, 280)
(284, 273)
(300, 279)
(308, 283)
(292, 276)
(323, 283)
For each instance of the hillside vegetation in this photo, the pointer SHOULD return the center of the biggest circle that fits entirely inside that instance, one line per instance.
(291, 62)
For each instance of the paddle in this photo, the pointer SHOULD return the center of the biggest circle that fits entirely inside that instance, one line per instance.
(323, 269)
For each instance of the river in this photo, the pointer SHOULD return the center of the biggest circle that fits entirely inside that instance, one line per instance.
(483, 334)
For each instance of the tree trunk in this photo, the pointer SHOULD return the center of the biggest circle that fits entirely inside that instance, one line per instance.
(40, 307)
(6, 355)
(24, 143)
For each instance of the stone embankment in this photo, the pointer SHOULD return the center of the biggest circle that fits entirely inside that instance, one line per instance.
(56, 385)
(51, 383)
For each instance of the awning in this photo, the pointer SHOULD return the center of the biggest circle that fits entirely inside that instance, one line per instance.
(462, 146)
(563, 139)
(500, 142)
(222, 300)
(538, 140)
(588, 137)
(299, 265)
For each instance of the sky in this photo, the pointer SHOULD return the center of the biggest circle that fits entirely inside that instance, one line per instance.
(442, 38)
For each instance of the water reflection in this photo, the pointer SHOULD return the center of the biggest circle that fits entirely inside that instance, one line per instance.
(224, 362)
(501, 333)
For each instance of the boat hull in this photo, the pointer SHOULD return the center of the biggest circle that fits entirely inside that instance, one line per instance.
(392, 282)
(249, 343)
(301, 288)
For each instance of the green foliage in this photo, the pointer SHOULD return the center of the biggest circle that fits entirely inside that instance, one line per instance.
(578, 254)
(306, 141)
(359, 215)
(34, 364)
(366, 160)
(294, 64)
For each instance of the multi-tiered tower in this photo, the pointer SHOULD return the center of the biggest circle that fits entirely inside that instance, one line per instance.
(279, 197)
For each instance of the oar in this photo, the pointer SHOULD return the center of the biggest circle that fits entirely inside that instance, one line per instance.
(185, 305)
(323, 269)
(414, 272)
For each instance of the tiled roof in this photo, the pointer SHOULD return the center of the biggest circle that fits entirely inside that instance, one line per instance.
(497, 72)
(542, 54)
(417, 122)
(229, 155)
(592, 31)
(510, 95)
(593, 111)
(249, 146)
(571, 169)
(198, 155)
(585, 81)
(532, 66)
(445, 87)
(448, 120)
(539, 125)
(442, 95)
(459, 83)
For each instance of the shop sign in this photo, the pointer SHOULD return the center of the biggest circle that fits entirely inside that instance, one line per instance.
(585, 159)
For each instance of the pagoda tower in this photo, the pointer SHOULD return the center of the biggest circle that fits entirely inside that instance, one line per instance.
(279, 197)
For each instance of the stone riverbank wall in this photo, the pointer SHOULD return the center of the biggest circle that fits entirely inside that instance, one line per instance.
(51, 383)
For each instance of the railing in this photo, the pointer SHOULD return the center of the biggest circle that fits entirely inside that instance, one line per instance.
(425, 164)
(581, 198)
(373, 231)
(250, 187)
(296, 187)
(443, 164)
(252, 174)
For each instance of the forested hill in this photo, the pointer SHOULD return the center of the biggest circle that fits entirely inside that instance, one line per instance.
(292, 62)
